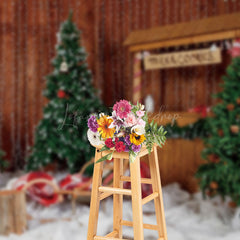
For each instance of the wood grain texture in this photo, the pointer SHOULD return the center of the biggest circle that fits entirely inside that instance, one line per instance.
(13, 217)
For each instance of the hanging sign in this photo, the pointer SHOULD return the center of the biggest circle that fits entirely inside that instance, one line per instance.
(183, 59)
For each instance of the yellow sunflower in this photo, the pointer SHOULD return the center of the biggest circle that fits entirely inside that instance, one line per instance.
(137, 139)
(103, 128)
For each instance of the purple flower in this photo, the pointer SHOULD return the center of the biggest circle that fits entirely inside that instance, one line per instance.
(126, 149)
(136, 148)
(127, 140)
(92, 123)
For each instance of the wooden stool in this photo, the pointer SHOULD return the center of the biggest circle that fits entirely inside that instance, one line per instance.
(100, 192)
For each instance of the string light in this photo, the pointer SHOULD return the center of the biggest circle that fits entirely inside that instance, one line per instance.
(2, 82)
(96, 36)
(118, 54)
(101, 42)
(34, 35)
(25, 63)
(144, 26)
(19, 95)
(13, 97)
(122, 52)
(129, 57)
(153, 72)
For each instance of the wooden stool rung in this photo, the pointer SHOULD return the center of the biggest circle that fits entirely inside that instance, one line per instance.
(107, 238)
(147, 226)
(149, 198)
(104, 195)
(115, 190)
(161, 238)
(143, 180)
(112, 234)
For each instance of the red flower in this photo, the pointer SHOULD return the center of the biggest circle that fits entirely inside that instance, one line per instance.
(109, 143)
(120, 147)
(61, 94)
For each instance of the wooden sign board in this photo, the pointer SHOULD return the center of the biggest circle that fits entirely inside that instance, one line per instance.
(183, 59)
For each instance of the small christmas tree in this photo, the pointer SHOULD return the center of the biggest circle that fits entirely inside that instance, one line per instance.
(61, 135)
(220, 175)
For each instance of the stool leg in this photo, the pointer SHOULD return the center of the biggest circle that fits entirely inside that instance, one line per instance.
(94, 206)
(136, 199)
(117, 198)
(156, 185)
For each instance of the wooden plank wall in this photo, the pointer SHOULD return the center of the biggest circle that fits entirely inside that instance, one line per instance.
(28, 36)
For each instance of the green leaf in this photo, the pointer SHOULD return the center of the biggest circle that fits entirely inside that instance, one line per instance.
(104, 148)
(106, 157)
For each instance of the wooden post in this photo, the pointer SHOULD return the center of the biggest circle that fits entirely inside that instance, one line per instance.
(13, 215)
(156, 186)
(94, 205)
(137, 78)
(117, 198)
(136, 199)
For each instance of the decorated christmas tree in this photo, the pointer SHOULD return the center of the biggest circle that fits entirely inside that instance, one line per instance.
(61, 136)
(220, 175)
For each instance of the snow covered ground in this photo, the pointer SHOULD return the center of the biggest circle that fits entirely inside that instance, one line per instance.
(188, 217)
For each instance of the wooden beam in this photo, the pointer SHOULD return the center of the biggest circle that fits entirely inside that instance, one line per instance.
(146, 226)
(115, 190)
(143, 180)
(187, 41)
(149, 198)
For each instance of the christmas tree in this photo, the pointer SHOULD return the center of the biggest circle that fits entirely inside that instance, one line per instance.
(220, 175)
(61, 135)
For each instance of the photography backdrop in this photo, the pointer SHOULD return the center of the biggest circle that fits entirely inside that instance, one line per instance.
(28, 37)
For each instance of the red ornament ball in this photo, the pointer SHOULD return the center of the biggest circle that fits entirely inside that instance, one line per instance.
(230, 107)
(61, 94)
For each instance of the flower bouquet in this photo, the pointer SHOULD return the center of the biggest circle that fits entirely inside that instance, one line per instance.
(126, 130)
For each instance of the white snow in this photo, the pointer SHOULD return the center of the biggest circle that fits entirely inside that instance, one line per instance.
(188, 217)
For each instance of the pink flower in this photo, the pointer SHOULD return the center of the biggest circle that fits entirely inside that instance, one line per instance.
(130, 120)
(141, 122)
(122, 108)
(140, 113)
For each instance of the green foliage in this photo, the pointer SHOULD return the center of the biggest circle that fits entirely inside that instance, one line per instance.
(61, 134)
(196, 130)
(222, 146)
(3, 163)
(154, 134)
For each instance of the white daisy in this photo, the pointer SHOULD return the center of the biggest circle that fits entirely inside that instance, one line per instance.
(94, 138)
(138, 129)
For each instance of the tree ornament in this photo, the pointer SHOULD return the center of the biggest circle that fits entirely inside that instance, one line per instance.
(230, 106)
(238, 101)
(220, 132)
(235, 51)
(232, 204)
(214, 185)
(64, 67)
(213, 158)
(234, 129)
(61, 94)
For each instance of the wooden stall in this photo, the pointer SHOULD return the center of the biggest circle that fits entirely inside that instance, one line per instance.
(180, 157)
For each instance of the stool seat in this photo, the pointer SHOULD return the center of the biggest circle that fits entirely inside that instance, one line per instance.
(100, 192)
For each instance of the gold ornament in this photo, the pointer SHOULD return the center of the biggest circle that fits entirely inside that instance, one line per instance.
(214, 185)
(234, 128)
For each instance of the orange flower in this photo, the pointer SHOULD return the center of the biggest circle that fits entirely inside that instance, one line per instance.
(103, 128)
